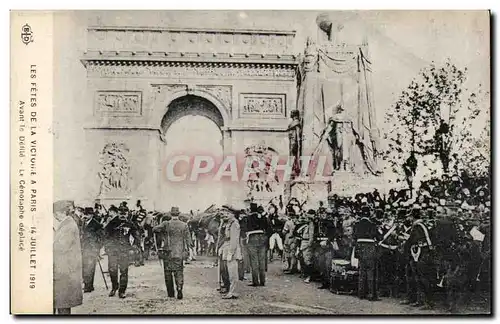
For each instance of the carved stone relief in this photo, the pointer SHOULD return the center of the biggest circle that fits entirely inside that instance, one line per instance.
(119, 103)
(115, 169)
(260, 183)
(263, 105)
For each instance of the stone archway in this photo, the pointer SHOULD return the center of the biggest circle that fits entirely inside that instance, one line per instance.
(190, 105)
(185, 133)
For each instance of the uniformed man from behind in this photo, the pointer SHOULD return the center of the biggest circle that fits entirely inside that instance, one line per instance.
(328, 245)
(138, 217)
(91, 245)
(365, 235)
(244, 263)
(118, 232)
(177, 242)
(257, 229)
(420, 248)
(306, 245)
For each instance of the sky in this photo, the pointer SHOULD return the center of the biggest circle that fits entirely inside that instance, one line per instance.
(401, 43)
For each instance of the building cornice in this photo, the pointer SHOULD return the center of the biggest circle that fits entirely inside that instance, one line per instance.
(191, 30)
(187, 59)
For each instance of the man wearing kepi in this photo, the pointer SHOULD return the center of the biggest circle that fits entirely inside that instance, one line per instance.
(118, 232)
(177, 242)
(67, 264)
(365, 234)
(257, 229)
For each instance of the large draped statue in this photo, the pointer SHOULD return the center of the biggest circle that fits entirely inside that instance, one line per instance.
(342, 114)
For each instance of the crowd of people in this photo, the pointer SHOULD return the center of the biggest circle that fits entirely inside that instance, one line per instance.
(413, 245)
(418, 246)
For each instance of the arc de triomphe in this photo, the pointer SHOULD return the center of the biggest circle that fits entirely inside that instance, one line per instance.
(140, 80)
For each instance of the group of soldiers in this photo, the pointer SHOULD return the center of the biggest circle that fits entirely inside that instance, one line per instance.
(413, 245)
(129, 236)
(126, 236)
(419, 247)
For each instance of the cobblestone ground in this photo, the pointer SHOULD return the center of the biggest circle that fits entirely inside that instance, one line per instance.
(283, 294)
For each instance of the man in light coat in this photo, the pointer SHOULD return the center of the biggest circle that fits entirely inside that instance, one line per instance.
(177, 242)
(67, 259)
(232, 251)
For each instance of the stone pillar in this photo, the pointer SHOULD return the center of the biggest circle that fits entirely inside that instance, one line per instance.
(227, 147)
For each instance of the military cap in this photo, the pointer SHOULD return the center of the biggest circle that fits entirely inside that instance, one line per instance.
(311, 212)
(123, 209)
(113, 209)
(365, 210)
(230, 208)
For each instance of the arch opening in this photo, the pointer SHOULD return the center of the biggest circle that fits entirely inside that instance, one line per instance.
(191, 105)
(192, 127)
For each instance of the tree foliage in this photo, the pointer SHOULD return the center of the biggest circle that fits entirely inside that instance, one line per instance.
(433, 117)
(476, 157)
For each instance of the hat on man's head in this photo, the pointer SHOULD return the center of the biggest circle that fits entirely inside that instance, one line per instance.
(365, 211)
(113, 209)
(254, 207)
(63, 206)
(311, 213)
(230, 208)
(174, 211)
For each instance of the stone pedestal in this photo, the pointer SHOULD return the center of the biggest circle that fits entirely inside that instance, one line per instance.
(348, 184)
(310, 191)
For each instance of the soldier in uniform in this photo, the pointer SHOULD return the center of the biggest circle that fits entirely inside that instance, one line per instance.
(419, 247)
(177, 242)
(138, 218)
(276, 228)
(365, 235)
(257, 229)
(244, 263)
(306, 246)
(91, 245)
(148, 232)
(389, 256)
(327, 246)
(118, 232)
(290, 245)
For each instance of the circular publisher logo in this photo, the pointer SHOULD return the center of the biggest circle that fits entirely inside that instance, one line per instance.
(26, 34)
